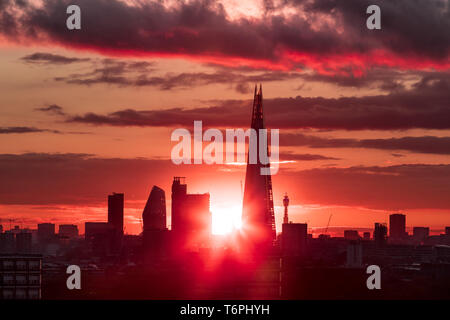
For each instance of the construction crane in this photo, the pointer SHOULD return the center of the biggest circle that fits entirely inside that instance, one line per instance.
(328, 224)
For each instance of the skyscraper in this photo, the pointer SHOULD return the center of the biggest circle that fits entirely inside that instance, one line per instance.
(156, 240)
(191, 218)
(154, 214)
(258, 219)
(397, 226)
(115, 218)
(380, 234)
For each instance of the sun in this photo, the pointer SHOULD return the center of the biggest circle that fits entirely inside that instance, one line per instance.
(226, 219)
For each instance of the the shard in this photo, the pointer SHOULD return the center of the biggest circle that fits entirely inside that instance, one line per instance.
(257, 213)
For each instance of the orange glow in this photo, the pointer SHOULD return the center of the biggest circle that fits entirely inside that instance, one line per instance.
(226, 219)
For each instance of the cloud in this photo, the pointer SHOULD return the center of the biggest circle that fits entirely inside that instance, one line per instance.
(425, 106)
(55, 109)
(48, 58)
(15, 130)
(424, 144)
(138, 74)
(83, 179)
(304, 157)
(326, 35)
(382, 188)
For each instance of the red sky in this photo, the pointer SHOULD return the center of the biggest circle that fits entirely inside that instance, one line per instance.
(363, 114)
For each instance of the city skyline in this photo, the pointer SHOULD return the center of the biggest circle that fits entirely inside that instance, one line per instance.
(362, 113)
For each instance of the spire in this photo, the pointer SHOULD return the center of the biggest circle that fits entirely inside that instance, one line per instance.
(258, 211)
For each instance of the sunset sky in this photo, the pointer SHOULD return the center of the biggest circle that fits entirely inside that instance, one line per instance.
(364, 115)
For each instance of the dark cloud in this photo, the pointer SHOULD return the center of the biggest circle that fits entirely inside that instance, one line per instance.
(138, 74)
(55, 109)
(383, 188)
(48, 58)
(304, 157)
(83, 179)
(326, 34)
(11, 130)
(425, 144)
(425, 105)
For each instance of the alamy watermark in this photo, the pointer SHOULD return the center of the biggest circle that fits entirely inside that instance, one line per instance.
(213, 153)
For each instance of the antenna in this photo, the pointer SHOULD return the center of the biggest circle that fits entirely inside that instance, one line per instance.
(328, 224)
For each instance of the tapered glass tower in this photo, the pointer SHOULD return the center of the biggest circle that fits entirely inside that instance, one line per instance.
(257, 213)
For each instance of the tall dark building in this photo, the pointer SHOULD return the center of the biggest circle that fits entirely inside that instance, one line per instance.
(115, 218)
(397, 226)
(380, 234)
(154, 215)
(191, 218)
(258, 218)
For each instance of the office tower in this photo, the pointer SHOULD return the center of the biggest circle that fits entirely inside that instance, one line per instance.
(258, 218)
(68, 231)
(397, 227)
(447, 231)
(380, 234)
(293, 239)
(351, 235)
(155, 234)
(46, 232)
(366, 235)
(115, 218)
(154, 215)
(20, 276)
(420, 234)
(286, 204)
(191, 218)
(115, 211)
(23, 242)
(1, 228)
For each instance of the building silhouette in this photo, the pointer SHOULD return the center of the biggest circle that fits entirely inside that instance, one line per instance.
(115, 218)
(24, 242)
(397, 227)
(68, 231)
(156, 237)
(100, 236)
(351, 235)
(191, 218)
(420, 234)
(258, 218)
(154, 214)
(45, 232)
(380, 234)
(286, 205)
(293, 240)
